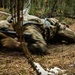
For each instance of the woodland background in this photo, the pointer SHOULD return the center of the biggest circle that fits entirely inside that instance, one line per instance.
(48, 8)
(13, 62)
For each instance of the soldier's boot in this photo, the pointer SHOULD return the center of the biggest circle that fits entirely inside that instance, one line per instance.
(66, 34)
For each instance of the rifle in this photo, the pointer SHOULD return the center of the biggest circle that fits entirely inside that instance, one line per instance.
(6, 32)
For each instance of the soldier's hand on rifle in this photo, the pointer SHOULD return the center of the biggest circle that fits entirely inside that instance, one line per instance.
(10, 42)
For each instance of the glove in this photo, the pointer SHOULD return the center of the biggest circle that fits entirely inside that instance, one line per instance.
(10, 42)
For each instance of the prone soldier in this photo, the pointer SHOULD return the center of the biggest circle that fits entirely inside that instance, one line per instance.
(38, 32)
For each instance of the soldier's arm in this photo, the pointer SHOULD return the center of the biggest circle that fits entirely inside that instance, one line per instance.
(9, 42)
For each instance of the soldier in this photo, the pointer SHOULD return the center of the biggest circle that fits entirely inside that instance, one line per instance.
(39, 32)
(37, 43)
(5, 40)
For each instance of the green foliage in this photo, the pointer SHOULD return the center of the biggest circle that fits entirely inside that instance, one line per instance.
(67, 21)
(63, 7)
(44, 8)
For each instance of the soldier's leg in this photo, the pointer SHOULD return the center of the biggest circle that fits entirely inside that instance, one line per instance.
(36, 44)
(38, 48)
(66, 33)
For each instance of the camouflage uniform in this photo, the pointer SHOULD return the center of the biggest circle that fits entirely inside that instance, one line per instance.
(46, 30)
(63, 32)
(42, 30)
(36, 44)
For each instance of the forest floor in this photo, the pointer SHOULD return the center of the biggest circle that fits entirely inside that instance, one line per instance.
(13, 62)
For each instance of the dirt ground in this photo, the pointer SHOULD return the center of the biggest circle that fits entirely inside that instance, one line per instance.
(13, 62)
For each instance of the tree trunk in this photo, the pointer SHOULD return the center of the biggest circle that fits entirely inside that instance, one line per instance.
(1, 3)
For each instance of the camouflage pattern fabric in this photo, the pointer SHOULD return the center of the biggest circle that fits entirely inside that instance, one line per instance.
(38, 44)
(5, 24)
(64, 32)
